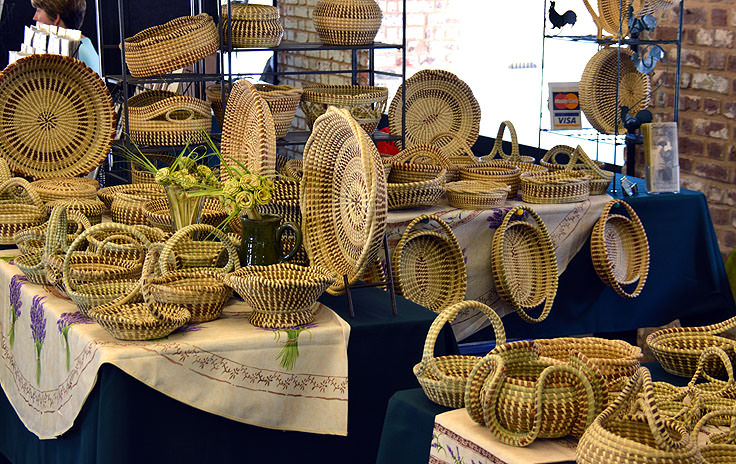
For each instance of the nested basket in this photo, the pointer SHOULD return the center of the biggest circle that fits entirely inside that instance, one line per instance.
(365, 103)
(92, 208)
(107, 194)
(417, 163)
(429, 266)
(252, 25)
(416, 194)
(477, 194)
(283, 100)
(554, 187)
(619, 436)
(507, 175)
(515, 156)
(127, 208)
(521, 396)
(620, 250)
(66, 188)
(523, 263)
(347, 22)
(161, 117)
(16, 217)
(158, 213)
(444, 378)
(281, 295)
(173, 45)
(120, 244)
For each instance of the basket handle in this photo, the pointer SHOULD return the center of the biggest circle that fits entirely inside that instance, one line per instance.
(431, 217)
(711, 351)
(109, 244)
(19, 182)
(578, 157)
(416, 152)
(731, 434)
(165, 261)
(497, 149)
(490, 363)
(467, 150)
(150, 271)
(551, 155)
(448, 315)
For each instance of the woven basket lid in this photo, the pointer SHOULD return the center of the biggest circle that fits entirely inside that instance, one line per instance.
(66, 188)
(598, 86)
(437, 102)
(250, 12)
(343, 197)
(56, 117)
(248, 134)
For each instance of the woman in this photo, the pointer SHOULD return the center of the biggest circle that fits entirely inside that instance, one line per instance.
(68, 14)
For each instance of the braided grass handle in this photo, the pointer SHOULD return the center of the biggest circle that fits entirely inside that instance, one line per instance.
(731, 434)
(431, 217)
(717, 352)
(413, 154)
(497, 149)
(467, 149)
(150, 271)
(551, 156)
(165, 261)
(15, 182)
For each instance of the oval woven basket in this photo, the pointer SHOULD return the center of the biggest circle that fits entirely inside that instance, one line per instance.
(416, 194)
(253, 25)
(199, 246)
(365, 103)
(56, 117)
(283, 100)
(429, 266)
(343, 197)
(161, 117)
(443, 378)
(91, 209)
(417, 163)
(347, 22)
(578, 160)
(127, 208)
(173, 45)
(66, 188)
(620, 250)
(16, 217)
(107, 194)
(507, 175)
(524, 264)
(600, 83)
(477, 194)
(554, 187)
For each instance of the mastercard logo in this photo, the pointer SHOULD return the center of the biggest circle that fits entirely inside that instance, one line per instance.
(566, 101)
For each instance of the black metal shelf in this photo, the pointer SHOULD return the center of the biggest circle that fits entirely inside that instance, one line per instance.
(286, 46)
(610, 41)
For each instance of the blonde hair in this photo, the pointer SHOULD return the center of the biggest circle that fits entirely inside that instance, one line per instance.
(71, 12)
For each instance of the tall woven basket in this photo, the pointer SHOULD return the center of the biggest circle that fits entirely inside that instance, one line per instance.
(283, 100)
(252, 25)
(160, 117)
(347, 22)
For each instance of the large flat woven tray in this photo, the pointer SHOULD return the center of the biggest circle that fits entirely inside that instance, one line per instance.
(56, 117)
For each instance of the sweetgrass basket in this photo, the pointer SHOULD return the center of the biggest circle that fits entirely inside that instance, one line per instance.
(347, 22)
(554, 187)
(477, 194)
(578, 160)
(252, 25)
(283, 100)
(515, 155)
(365, 103)
(161, 117)
(429, 266)
(65, 188)
(107, 194)
(417, 163)
(27, 212)
(31, 266)
(416, 194)
(158, 213)
(5, 173)
(619, 249)
(281, 295)
(721, 448)
(444, 378)
(92, 209)
(199, 246)
(173, 45)
(523, 263)
(506, 175)
(214, 96)
(127, 208)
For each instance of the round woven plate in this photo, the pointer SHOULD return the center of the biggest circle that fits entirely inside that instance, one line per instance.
(437, 102)
(343, 197)
(598, 86)
(56, 117)
(248, 134)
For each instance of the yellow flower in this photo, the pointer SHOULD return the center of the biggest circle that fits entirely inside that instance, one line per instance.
(162, 176)
(204, 171)
(249, 181)
(266, 183)
(245, 199)
(263, 196)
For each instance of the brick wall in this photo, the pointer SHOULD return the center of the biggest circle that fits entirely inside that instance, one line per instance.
(707, 106)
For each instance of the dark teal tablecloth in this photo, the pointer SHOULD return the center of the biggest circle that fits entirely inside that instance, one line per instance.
(124, 421)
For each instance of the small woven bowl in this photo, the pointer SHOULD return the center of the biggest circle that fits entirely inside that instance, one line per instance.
(281, 295)
(32, 266)
(107, 194)
(202, 293)
(137, 322)
(92, 294)
(508, 175)
(416, 194)
(477, 194)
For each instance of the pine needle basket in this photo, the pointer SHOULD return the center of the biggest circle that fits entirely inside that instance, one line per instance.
(523, 263)
(248, 133)
(66, 188)
(600, 83)
(515, 155)
(283, 100)
(281, 295)
(161, 117)
(343, 198)
(173, 45)
(429, 266)
(16, 217)
(477, 194)
(417, 163)
(347, 22)
(252, 25)
(521, 396)
(554, 187)
(620, 250)
(107, 194)
(444, 378)
(437, 102)
(507, 175)
(365, 103)
(56, 117)
(416, 194)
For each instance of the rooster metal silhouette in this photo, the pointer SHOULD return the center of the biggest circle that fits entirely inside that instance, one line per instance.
(560, 20)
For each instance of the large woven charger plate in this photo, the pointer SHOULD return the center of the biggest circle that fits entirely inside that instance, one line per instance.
(343, 197)
(598, 86)
(248, 134)
(437, 102)
(56, 117)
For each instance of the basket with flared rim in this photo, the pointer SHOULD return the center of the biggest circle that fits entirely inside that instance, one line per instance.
(429, 266)
(554, 187)
(347, 22)
(507, 175)
(253, 25)
(342, 198)
(127, 208)
(158, 213)
(107, 194)
(16, 217)
(281, 295)
(477, 194)
(515, 156)
(161, 117)
(521, 396)
(443, 378)
(619, 436)
(523, 263)
(365, 103)
(283, 100)
(416, 194)
(620, 250)
(66, 188)
(417, 163)
(163, 48)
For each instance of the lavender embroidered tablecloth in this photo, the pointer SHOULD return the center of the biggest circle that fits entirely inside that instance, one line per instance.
(569, 226)
(282, 379)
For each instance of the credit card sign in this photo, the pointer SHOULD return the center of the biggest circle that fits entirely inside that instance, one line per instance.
(564, 106)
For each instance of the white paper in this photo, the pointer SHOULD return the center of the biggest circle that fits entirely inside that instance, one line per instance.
(40, 40)
(54, 45)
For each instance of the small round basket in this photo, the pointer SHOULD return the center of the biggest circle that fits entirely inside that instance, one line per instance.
(443, 378)
(429, 266)
(173, 45)
(66, 188)
(281, 295)
(138, 321)
(524, 264)
(253, 25)
(127, 208)
(16, 217)
(620, 250)
(365, 103)
(417, 163)
(92, 208)
(477, 194)
(347, 22)
(507, 175)
(161, 117)
(107, 194)
(554, 187)
(283, 100)
(416, 194)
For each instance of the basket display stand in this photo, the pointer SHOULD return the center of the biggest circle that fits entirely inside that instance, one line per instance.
(389, 283)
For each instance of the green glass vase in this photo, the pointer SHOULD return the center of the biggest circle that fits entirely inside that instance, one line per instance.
(260, 242)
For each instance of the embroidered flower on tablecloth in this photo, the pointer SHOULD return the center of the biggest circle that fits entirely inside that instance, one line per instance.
(16, 282)
(190, 327)
(38, 330)
(65, 323)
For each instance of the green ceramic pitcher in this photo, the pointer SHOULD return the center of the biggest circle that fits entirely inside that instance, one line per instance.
(260, 242)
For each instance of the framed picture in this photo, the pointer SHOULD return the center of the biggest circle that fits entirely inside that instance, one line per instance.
(661, 157)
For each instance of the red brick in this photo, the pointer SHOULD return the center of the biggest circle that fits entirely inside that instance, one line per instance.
(666, 32)
(711, 106)
(711, 170)
(686, 164)
(718, 17)
(727, 239)
(717, 60)
(731, 66)
(689, 36)
(686, 126)
(692, 57)
(695, 16)
(721, 215)
(689, 103)
(715, 150)
(690, 145)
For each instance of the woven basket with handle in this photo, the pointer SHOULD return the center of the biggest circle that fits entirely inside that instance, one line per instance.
(365, 103)
(417, 163)
(16, 217)
(477, 194)
(515, 155)
(161, 117)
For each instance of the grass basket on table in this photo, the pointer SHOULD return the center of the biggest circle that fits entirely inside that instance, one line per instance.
(365, 103)
(554, 187)
(416, 194)
(523, 263)
(66, 188)
(477, 194)
(507, 175)
(199, 246)
(128, 208)
(417, 163)
(579, 161)
(283, 100)
(16, 217)
(347, 22)
(161, 117)
(444, 378)
(92, 209)
(107, 194)
(252, 25)
(158, 213)
(164, 48)
(720, 448)
(515, 156)
(429, 266)
(620, 250)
